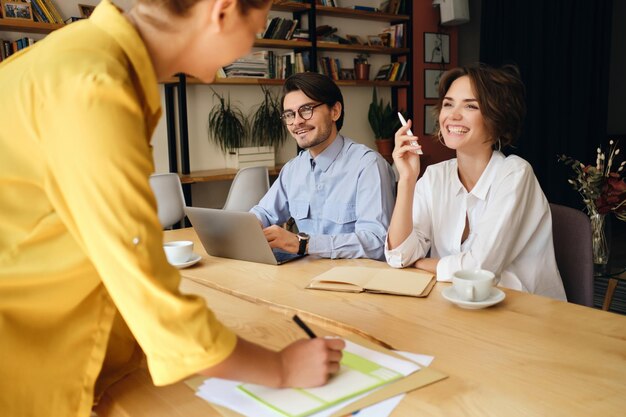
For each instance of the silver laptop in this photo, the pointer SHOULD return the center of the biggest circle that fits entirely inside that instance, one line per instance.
(235, 235)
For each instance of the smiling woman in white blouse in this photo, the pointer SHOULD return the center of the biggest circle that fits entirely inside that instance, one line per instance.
(481, 209)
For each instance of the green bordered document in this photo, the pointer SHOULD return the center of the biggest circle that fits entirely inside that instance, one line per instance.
(362, 370)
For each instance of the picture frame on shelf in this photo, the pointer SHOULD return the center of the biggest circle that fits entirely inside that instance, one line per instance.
(431, 82)
(346, 74)
(86, 10)
(429, 119)
(436, 48)
(375, 40)
(16, 10)
(386, 38)
(355, 40)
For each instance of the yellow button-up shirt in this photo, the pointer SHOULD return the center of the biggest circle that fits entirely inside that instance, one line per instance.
(80, 240)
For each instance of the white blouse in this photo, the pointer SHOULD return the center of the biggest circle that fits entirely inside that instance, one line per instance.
(509, 220)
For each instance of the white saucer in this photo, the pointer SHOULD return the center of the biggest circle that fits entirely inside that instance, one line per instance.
(194, 260)
(495, 297)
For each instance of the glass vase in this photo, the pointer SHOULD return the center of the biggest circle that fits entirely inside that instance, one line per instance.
(599, 242)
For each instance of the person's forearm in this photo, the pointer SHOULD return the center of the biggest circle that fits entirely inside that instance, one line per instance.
(427, 264)
(250, 363)
(304, 363)
(401, 223)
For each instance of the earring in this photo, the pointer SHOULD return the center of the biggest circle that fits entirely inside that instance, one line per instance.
(440, 137)
(498, 145)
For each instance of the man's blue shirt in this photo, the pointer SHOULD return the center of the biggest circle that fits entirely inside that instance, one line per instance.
(342, 199)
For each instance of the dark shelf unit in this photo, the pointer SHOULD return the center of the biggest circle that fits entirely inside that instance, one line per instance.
(311, 10)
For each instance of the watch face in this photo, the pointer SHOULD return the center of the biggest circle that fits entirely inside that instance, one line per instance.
(303, 236)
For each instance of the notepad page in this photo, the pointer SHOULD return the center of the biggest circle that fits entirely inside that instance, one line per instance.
(361, 371)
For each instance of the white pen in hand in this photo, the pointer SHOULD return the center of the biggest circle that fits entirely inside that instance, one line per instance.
(408, 132)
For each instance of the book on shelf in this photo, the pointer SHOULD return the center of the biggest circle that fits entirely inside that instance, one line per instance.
(279, 28)
(51, 11)
(384, 72)
(365, 8)
(410, 282)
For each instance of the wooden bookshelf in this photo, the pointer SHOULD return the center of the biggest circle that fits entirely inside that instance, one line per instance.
(290, 6)
(360, 14)
(27, 26)
(279, 81)
(281, 44)
(382, 50)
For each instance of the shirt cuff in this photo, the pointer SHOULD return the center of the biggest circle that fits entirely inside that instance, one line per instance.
(404, 255)
(261, 218)
(321, 245)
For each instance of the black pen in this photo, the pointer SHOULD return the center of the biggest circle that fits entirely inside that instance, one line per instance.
(304, 327)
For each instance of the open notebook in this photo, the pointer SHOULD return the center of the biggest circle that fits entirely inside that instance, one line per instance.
(412, 282)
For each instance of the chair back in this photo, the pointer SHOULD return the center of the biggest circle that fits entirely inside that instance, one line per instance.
(571, 234)
(248, 187)
(170, 198)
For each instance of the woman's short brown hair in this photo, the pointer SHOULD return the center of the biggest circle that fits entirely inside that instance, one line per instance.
(181, 7)
(500, 94)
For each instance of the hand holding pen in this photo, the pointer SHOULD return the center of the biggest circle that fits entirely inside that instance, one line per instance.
(406, 152)
(311, 362)
(413, 142)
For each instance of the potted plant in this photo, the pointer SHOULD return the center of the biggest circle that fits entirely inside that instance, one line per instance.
(384, 123)
(227, 126)
(267, 127)
(361, 67)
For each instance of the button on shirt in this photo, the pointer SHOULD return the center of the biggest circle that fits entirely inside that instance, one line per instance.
(342, 199)
(509, 220)
(81, 256)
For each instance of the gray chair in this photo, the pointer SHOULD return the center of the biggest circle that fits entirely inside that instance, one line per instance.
(170, 198)
(571, 234)
(248, 187)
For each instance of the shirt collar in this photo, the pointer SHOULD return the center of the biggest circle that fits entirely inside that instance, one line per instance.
(328, 155)
(110, 19)
(481, 188)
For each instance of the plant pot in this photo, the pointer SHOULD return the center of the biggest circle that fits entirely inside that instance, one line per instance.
(385, 148)
(362, 71)
(253, 156)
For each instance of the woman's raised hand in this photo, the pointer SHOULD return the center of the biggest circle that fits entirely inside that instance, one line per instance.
(405, 153)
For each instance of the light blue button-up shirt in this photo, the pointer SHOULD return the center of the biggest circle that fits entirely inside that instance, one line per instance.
(342, 199)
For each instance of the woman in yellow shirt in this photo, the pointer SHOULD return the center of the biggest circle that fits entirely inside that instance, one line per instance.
(84, 283)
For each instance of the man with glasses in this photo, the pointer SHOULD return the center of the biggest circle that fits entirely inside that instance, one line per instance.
(340, 193)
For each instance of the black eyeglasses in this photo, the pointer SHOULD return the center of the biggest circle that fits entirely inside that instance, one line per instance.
(305, 111)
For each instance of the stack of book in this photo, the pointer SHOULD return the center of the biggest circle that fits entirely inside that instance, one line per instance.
(391, 72)
(254, 65)
(282, 66)
(11, 47)
(44, 11)
(331, 67)
(267, 64)
(396, 36)
(279, 28)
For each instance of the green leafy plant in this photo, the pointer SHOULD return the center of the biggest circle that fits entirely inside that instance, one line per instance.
(267, 127)
(383, 118)
(227, 126)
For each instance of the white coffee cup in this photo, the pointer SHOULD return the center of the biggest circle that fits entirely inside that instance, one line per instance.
(178, 251)
(473, 285)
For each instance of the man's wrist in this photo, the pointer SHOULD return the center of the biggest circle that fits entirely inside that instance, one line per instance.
(303, 243)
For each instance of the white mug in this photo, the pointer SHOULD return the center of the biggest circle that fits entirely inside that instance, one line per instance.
(178, 251)
(473, 285)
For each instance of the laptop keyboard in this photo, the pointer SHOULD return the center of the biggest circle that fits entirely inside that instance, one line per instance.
(282, 257)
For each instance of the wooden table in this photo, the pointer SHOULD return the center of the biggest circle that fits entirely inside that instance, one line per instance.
(527, 356)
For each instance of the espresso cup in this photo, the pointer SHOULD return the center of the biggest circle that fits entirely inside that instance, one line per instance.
(179, 251)
(473, 285)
